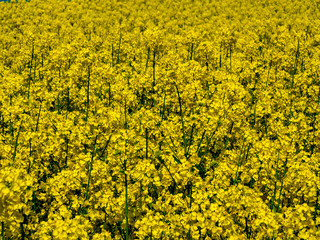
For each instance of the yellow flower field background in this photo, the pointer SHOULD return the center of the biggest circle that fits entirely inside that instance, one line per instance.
(159, 119)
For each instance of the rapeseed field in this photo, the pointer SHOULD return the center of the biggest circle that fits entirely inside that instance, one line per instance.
(189, 119)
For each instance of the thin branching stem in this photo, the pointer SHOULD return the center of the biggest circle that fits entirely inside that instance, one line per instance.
(239, 163)
(182, 123)
(88, 91)
(275, 183)
(148, 56)
(30, 70)
(2, 231)
(16, 143)
(90, 167)
(38, 117)
(146, 143)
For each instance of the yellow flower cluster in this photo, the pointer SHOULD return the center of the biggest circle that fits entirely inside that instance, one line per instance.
(191, 119)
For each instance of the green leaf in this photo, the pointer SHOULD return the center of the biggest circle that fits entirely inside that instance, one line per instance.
(176, 159)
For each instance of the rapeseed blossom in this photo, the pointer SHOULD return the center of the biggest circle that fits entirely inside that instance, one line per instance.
(159, 119)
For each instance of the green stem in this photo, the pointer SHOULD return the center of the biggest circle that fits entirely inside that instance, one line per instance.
(270, 64)
(281, 187)
(29, 83)
(30, 66)
(275, 183)
(68, 100)
(112, 53)
(191, 51)
(30, 152)
(317, 205)
(38, 117)
(154, 68)
(125, 114)
(292, 79)
(202, 137)
(67, 150)
(174, 181)
(230, 59)
(11, 128)
(239, 162)
(105, 148)
(173, 152)
(35, 67)
(126, 189)
(2, 230)
(181, 115)
(248, 149)
(295, 66)
(88, 86)
(59, 103)
(319, 95)
(190, 141)
(163, 106)
(254, 115)
(148, 56)
(16, 143)
(109, 93)
(118, 56)
(23, 234)
(2, 124)
(146, 143)
(220, 60)
(90, 169)
(209, 141)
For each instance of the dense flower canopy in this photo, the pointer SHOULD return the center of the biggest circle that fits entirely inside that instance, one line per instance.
(191, 119)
